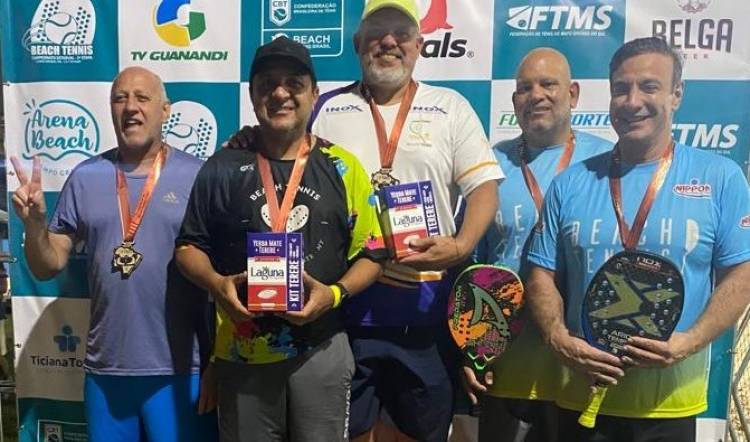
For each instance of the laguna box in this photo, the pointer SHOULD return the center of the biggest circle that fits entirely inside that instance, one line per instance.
(275, 266)
(407, 212)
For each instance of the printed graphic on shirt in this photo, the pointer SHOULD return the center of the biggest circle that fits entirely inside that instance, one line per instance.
(698, 234)
(332, 209)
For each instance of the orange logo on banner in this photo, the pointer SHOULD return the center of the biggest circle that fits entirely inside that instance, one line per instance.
(436, 18)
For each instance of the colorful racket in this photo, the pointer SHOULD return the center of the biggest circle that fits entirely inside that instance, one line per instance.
(634, 293)
(483, 313)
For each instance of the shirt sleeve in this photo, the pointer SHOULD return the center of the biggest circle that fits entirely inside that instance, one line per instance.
(196, 225)
(732, 244)
(473, 160)
(367, 239)
(65, 219)
(545, 237)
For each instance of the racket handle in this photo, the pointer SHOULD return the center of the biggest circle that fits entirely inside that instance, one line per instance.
(588, 415)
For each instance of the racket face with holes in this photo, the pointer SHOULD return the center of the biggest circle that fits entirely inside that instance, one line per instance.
(634, 293)
(483, 312)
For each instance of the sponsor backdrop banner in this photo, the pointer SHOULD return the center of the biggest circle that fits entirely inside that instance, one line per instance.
(59, 57)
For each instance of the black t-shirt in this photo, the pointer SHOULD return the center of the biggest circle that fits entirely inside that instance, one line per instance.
(333, 210)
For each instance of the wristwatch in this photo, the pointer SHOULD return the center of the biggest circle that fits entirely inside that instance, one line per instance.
(344, 291)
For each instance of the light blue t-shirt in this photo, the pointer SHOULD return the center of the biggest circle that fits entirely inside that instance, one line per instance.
(505, 241)
(146, 324)
(700, 220)
(527, 369)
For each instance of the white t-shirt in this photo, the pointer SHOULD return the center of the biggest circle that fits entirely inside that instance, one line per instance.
(442, 141)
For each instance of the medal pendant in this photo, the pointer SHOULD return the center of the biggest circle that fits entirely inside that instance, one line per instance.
(383, 178)
(125, 259)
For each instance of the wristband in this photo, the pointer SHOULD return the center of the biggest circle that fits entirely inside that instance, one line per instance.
(336, 290)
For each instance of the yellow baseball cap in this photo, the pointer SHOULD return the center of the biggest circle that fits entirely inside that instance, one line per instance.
(408, 7)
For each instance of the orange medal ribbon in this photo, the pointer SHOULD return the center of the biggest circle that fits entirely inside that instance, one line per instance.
(528, 175)
(279, 215)
(388, 145)
(126, 258)
(628, 236)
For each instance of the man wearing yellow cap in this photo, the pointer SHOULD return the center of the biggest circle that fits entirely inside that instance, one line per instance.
(396, 327)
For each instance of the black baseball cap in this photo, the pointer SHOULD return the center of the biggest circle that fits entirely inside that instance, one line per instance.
(282, 47)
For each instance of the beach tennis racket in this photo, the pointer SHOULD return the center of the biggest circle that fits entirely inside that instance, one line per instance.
(483, 313)
(634, 293)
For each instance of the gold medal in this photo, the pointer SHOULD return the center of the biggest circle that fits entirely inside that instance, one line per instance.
(383, 178)
(125, 259)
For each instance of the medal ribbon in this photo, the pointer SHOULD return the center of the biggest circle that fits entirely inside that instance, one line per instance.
(130, 223)
(528, 175)
(630, 237)
(388, 144)
(280, 215)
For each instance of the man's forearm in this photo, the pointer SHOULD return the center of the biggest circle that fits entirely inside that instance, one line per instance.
(196, 266)
(729, 300)
(361, 275)
(481, 206)
(45, 257)
(545, 302)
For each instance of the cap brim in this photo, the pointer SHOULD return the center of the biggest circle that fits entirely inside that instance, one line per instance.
(397, 7)
(261, 63)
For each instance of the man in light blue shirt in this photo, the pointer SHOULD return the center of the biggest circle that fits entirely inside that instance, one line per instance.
(699, 220)
(518, 401)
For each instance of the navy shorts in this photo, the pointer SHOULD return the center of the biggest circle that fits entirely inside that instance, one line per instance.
(405, 371)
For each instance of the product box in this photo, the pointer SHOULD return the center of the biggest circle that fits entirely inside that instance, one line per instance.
(275, 265)
(407, 212)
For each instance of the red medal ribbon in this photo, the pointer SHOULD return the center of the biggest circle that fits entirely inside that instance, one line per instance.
(279, 215)
(130, 223)
(528, 175)
(388, 144)
(630, 237)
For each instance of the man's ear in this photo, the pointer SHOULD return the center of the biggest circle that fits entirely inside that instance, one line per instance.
(677, 94)
(575, 92)
(316, 94)
(166, 111)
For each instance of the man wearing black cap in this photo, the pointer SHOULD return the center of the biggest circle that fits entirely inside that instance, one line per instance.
(285, 376)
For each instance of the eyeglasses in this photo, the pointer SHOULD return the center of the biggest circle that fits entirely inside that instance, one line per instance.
(401, 32)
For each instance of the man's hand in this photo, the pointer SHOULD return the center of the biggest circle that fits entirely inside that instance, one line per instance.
(601, 367)
(472, 385)
(319, 301)
(28, 199)
(224, 292)
(435, 253)
(208, 391)
(242, 139)
(643, 352)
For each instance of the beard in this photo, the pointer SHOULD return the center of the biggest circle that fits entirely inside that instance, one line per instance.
(386, 77)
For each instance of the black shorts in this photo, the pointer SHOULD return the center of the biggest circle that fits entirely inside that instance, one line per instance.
(624, 429)
(509, 420)
(402, 370)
